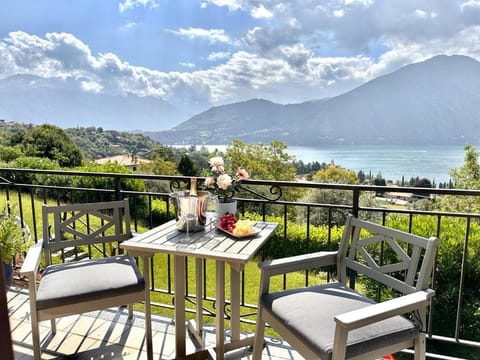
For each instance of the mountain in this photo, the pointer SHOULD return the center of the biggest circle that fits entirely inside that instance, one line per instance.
(433, 102)
(61, 102)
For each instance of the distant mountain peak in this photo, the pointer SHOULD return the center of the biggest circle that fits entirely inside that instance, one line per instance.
(436, 101)
(64, 103)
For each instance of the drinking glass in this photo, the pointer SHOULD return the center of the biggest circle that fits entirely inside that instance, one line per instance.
(211, 214)
(188, 208)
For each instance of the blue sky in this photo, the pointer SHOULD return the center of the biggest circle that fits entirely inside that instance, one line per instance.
(196, 54)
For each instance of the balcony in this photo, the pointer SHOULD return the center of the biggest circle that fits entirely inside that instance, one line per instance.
(450, 334)
(108, 334)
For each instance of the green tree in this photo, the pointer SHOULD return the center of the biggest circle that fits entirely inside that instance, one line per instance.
(335, 174)
(9, 153)
(265, 162)
(49, 141)
(186, 167)
(158, 166)
(270, 162)
(139, 204)
(28, 162)
(164, 152)
(320, 215)
(468, 175)
(465, 177)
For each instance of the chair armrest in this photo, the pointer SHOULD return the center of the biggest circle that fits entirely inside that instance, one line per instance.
(377, 312)
(32, 260)
(299, 262)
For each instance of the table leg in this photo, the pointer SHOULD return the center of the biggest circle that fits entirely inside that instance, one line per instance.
(219, 318)
(235, 301)
(179, 306)
(198, 295)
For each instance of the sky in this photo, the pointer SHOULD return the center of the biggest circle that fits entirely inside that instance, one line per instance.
(201, 53)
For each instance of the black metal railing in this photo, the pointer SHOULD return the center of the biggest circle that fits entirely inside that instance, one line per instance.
(299, 231)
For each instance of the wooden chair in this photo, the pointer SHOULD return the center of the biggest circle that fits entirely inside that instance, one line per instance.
(83, 269)
(332, 321)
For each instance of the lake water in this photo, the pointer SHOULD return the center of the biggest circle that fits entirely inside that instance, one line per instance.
(392, 161)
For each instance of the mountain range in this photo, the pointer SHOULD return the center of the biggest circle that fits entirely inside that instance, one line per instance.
(433, 102)
(62, 102)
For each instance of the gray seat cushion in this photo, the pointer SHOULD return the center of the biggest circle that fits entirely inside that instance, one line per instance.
(79, 281)
(309, 312)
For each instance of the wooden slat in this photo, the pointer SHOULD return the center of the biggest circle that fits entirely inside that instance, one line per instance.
(166, 239)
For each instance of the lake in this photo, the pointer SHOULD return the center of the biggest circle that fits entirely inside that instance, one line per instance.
(433, 162)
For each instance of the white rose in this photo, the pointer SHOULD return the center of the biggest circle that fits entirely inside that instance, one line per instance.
(224, 181)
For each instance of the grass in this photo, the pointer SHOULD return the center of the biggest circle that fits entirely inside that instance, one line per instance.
(251, 286)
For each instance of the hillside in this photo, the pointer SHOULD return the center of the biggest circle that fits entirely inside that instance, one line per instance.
(433, 102)
(95, 143)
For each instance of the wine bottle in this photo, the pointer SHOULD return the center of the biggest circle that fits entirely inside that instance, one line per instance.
(193, 186)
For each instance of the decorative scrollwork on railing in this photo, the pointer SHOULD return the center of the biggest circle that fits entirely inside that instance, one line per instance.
(175, 185)
(209, 310)
(274, 190)
(227, 310)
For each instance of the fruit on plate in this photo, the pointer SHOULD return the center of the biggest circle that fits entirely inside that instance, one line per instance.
(228, 222)
(243, 227)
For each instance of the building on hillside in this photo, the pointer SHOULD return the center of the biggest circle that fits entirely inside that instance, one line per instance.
(128, 160)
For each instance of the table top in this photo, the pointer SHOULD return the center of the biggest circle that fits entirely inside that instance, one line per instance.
(210, 243)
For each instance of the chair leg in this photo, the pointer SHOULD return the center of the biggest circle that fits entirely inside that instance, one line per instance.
(259, 336)
(147, 310)
(36, 340)
(420, 347)
(148, 332)
(53, 326)
(130, 311)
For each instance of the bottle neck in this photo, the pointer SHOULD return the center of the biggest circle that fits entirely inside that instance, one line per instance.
(193, 186)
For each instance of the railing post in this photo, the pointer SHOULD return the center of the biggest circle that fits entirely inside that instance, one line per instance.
(118, 188)
(355, 202)
(355, 210)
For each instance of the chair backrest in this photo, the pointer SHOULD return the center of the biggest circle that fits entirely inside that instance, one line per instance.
(76, 226)
(394, 258)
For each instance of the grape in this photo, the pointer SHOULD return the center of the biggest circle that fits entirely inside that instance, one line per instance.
(227, 222)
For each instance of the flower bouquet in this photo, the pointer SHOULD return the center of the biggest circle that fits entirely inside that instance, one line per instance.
(222, 184)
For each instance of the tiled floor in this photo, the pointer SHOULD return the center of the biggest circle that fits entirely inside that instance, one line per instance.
(107, 335)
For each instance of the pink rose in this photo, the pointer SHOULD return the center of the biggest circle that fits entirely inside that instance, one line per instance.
(224, 181)
(242, 174)
(209, 181)
(217, 163)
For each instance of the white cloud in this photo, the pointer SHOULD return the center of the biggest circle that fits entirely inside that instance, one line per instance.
(305, 50)
(471, 11)
(212, 35)
(188, 65)
(220, 55)
(231, 4)
(261, 12)
(129, 26)
(131, 4)
(91, 86)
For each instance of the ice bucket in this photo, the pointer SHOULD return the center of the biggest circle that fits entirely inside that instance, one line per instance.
(190, 210)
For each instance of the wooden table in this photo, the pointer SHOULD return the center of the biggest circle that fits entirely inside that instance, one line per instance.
(210, 243)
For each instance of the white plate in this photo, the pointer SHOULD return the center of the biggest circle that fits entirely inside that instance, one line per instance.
(238, 236)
